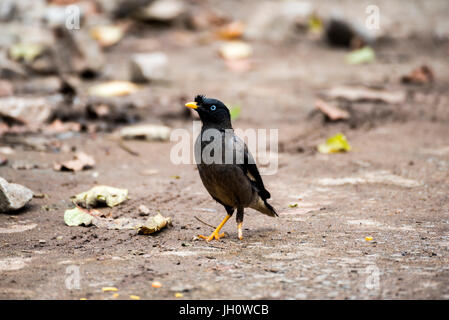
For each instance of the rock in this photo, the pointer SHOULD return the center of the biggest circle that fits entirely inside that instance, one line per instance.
(143, 210)
(35, 56)
(13, 196)
(8, 10)
(77, 52)
(10, 69)
(41, 85)
(149, 66)
(276, 21)
(12, 264)
(29, 110)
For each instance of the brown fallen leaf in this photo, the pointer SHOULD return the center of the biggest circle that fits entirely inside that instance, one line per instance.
(231, 31)
(154, 224)
(421, 75)
(332, 112)
(361, 94)
(80, 162)
(58, 126)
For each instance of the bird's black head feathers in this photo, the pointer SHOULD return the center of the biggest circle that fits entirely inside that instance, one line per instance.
(213, 113)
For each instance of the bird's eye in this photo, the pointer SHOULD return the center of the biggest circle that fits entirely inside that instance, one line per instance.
(213, 107)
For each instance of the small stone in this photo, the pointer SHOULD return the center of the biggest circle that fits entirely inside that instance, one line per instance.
(149, 66)
(13, 196)
(29, 110)
(143, 210)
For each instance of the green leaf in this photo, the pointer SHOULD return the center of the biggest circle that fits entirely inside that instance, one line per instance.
(101, 194)
(336, 143)
(363, 55)
(77, 216)
(315, 24)
(27, 52)
(235, 112)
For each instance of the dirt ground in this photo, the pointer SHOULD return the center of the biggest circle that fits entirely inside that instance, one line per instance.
(315, 250)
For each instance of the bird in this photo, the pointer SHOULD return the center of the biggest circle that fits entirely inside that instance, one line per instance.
(226, 167)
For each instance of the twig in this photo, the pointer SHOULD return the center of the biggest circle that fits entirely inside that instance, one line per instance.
(204, 222)
(126, 148)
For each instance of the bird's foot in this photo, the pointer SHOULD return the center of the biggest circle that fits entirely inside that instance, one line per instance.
(214, 235)
(240, 231)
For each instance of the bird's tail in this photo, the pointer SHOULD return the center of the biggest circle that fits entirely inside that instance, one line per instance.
(264, 207)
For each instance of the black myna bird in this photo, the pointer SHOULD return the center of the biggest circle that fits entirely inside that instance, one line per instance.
(226, 166)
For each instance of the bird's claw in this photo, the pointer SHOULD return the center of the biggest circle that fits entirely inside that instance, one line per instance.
(214, 235)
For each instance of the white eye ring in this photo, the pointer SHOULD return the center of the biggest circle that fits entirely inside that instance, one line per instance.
(213, 107)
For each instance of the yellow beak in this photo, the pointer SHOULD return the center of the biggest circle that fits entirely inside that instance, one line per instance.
(192, 105)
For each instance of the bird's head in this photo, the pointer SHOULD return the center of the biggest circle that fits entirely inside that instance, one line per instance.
(212, 112)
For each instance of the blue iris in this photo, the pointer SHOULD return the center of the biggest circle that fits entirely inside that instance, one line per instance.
(213, 107)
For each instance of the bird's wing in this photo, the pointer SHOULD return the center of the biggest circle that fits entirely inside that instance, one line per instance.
(249, 167)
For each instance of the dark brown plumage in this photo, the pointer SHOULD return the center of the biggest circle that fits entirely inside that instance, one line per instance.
(226, 167)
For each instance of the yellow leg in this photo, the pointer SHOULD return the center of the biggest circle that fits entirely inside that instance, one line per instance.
(216, 234)
(239, 230)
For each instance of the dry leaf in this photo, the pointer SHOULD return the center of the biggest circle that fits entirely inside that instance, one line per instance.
(113, 89)
(154, 224)
(80, 162)
(231, 30)
(235, 50)
(421, 75)
(332, 112)
(58, 126)
(146, 131)
(107, 35)
(359, 94)
(101, 194)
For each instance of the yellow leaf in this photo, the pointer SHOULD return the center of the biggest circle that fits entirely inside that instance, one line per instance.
(107, 35)
(113, 89)
(336, 143)
(154, 224)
